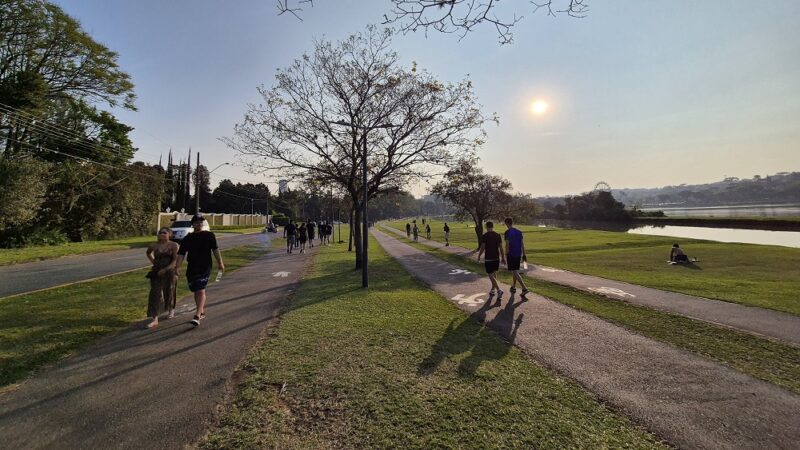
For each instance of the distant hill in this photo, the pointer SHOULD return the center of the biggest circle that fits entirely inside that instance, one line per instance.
(780, 188)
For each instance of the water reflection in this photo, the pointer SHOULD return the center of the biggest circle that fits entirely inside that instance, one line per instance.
(761, 237)
(731, 211)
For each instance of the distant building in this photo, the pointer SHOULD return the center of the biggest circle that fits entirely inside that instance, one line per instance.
(283, 186)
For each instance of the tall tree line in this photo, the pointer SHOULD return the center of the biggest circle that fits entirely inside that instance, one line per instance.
(65, 164)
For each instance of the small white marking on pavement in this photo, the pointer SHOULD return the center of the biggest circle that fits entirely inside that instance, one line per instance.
(612, 291)
(471, 300)
(550, 269)
(280, 274)
(459, 272)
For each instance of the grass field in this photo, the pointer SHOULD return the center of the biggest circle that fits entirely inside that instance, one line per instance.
(40, 328)
(398, 366)
(762, 358)
(756, 275)
(21, 255)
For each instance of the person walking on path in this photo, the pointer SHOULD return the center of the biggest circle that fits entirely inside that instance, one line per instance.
(290, 233)
(492, 246)
(428, 231)
(515, 254)
(302, 237)
(199, 245)
(415, 230)
(163, 254)
(408, 230)
(310, 227)
(446, 235)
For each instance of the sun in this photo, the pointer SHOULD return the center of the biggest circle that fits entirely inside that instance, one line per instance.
(539, 107)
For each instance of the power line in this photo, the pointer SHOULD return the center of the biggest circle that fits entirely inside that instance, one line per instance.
(91, 161)
(59, 131)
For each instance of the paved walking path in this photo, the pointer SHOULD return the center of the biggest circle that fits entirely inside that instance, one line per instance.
(151, 388)
(26, 277)
(764, 322)
(687, 400)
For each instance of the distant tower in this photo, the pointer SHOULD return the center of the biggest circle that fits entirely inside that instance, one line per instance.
(602, 186)
(283, 186)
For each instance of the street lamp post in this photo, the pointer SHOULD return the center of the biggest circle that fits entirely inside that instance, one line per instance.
(197, 183)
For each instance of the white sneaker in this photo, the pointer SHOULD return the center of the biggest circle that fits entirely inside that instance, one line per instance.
(499, 294)
(492, 292)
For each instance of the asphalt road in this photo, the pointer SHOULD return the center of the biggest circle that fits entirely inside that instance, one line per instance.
(153, 389)
(689, 401)
(33, 276)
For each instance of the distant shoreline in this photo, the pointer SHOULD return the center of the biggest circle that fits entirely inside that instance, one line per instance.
(754, 223)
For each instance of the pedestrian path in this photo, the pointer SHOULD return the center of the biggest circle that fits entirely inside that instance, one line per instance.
(760, 321)
(152, 388)
(689, 401)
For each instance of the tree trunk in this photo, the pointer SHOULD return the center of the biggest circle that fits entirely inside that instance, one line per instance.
(350, 232)
(478, 231)
(357, 236)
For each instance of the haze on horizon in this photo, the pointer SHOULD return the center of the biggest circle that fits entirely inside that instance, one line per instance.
(637, 94)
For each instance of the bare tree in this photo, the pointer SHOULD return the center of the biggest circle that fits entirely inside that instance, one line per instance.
(457, 16)
(475, 193)
(348, 99)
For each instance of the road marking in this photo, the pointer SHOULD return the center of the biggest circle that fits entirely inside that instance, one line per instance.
(280, 274)
(550, 269)
(471, 300)
(612, 291)
(459, 272)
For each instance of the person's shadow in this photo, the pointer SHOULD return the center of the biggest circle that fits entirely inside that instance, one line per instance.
(473, 335)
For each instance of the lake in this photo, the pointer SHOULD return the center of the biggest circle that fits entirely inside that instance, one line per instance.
(761, 237)
(791, 210)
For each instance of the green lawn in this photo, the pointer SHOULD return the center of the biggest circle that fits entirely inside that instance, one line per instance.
(762, 358)
(40, 328)
(398, 366)
(756, 275)
(21, 255)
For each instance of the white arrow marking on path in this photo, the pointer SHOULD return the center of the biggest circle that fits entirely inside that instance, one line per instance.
(612, 291)
(471, 300)
(281, 274)
(550, 269)
(459, 272)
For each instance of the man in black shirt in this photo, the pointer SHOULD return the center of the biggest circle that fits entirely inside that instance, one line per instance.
(492, 245)
(200, 245)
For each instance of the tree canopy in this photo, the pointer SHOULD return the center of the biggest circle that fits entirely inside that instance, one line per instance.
(459, 16)
(351, 98)
(475, 193)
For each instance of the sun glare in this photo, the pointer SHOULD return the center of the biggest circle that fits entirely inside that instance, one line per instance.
(539, 107)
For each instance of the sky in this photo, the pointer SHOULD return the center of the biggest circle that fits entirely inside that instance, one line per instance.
(640, 93)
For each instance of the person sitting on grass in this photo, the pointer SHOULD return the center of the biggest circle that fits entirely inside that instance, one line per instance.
(677, 256)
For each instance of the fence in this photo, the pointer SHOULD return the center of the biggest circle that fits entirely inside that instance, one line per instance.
(213, 219)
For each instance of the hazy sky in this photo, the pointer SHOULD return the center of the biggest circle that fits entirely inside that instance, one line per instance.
(641, 93)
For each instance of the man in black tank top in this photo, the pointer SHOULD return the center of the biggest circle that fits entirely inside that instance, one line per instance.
(492, 245)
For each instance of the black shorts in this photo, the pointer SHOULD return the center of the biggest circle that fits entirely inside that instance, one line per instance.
(492, 266)
(513, 262)
(198, 282)
(681, 258)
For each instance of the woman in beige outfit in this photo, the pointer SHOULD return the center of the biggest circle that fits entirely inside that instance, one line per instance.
(162, 254)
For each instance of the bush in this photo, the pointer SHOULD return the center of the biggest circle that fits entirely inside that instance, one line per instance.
(280, 220)
(33, 237)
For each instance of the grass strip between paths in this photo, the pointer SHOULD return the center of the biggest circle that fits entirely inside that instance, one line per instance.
(761, 358)
(398, 366)
(10, 256)
(42, 327)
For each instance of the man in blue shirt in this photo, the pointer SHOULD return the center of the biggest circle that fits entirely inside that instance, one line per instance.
(515, 254)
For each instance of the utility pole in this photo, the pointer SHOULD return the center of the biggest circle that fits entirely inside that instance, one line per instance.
(197, 185)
